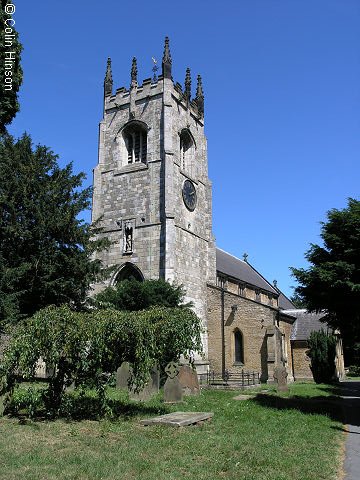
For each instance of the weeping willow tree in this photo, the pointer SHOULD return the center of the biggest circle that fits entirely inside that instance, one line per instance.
(85, 348)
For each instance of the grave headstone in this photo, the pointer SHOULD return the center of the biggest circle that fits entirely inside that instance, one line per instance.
(280, 375)
(151, 388)
(173, 392)
(123, 375)
(189, 380)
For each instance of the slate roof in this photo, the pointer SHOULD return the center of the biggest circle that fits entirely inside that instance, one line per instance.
(285, 303)
(305, 323)
(243, 271)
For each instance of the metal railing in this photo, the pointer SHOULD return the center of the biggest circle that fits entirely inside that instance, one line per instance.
(240, 379)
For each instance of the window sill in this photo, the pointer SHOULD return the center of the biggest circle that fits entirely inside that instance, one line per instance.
(131, 167)
(238, 364)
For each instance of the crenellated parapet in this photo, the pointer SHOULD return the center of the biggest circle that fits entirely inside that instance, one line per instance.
(151, 87)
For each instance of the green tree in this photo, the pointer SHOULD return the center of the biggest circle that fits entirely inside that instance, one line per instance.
(332, 282)
(298, 301)
(86, 347)
(10, 50)
(46, 250)
(322, 351)
(133, 295)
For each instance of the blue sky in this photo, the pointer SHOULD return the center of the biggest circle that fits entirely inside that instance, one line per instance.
(282, 102)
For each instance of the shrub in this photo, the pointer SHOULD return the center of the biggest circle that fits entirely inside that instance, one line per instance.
(354, 371)
(132, 295)
(322, 354)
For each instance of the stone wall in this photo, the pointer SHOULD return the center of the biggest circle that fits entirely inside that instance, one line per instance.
(300, 360)
(252, 319)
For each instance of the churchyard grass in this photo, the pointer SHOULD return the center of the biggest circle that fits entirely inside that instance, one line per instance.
(258, 439)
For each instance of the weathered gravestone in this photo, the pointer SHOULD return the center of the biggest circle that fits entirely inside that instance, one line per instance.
(151, 388)
(122, 375)
(173, 392)
(280, 375)
(189, 380)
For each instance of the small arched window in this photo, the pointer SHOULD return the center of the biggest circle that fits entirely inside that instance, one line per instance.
(136, 144)
(238, 347)
(186, 147)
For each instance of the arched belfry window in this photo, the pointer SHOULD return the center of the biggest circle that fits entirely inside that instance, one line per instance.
(135, 137)
(238, 347)
(186, 149)
(127, 272)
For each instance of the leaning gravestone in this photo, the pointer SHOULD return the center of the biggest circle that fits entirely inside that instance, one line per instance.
(280, 375)
(173, 392)
(188, 380)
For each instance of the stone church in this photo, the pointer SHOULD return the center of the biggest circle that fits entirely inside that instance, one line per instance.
(152, 190)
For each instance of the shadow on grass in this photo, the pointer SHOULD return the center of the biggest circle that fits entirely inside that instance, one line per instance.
(86, 407)
(343, 404)
(89, 408)
(330, 406)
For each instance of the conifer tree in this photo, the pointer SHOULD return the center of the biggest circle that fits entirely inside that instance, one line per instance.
(332, 282)
(46, 250)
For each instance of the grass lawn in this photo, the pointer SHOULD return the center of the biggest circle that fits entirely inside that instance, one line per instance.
(264, 438)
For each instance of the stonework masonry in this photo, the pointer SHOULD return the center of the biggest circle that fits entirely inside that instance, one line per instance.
(151, 144)
(168, 240)
(253, 319)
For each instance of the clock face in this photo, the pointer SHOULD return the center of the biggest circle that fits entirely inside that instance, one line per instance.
(189, 195)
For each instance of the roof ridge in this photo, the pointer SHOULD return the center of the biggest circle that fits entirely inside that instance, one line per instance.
(231, 255)
(270, 287)
(267, 281)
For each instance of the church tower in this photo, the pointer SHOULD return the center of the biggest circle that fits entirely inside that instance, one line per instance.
(151, 185)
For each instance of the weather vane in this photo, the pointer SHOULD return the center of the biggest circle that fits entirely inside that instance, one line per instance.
(155, 69)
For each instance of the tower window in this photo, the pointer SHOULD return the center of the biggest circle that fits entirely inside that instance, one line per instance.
(239, 347)
(186, 145)
(136, 144)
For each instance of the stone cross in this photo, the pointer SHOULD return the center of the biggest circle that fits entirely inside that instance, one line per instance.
(280, 375)
(172, 369)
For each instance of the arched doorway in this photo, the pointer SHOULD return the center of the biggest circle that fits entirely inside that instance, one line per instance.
(128, 271)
